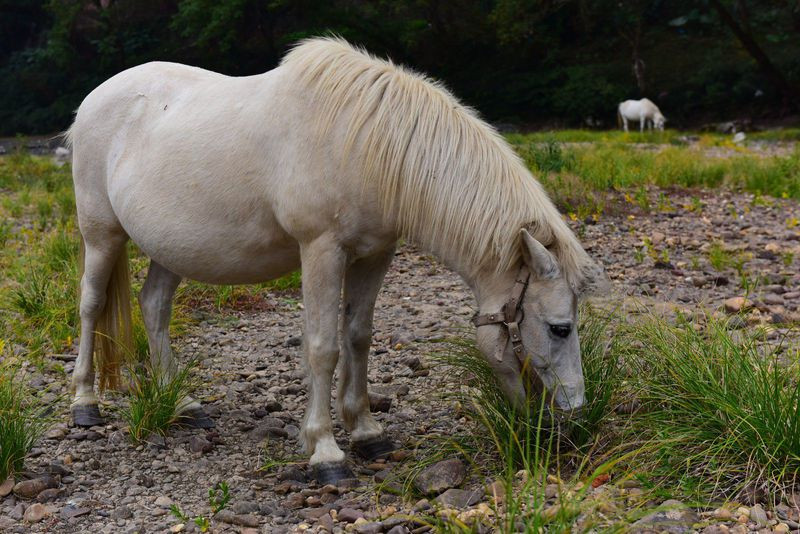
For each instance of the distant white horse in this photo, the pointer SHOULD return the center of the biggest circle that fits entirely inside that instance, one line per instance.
(643, 111)
(322, 163)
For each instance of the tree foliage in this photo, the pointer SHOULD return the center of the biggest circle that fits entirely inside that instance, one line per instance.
(528, 61)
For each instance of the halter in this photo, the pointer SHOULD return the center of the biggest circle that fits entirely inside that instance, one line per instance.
(510, 317)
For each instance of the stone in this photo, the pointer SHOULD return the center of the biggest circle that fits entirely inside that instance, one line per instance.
(716, 529)
(723, 514)
(349, 515)
(497, 491)
(398, 529)
(671, 517)
(199, 444)
(50, 494)
(458, 498)
(782, 528)
(657, 238)
(17, 512)
(441, 476)
(164, 501)
(758, 515)
(70, 511)
(121, 512)
(371, 527)
(35, 513)
(379, 403)
(736, 304)
(242, 520)
(28, 489)
(6, 487)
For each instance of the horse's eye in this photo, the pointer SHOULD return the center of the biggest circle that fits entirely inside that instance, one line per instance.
(560, 330)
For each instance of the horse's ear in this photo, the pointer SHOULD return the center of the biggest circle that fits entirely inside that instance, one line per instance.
(538, 259)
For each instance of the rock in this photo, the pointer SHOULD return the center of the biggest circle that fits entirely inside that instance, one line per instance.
(379, 403)
(736, 304)
(497, 491)
(657, 238)
(48, 495)
(35, 513)
(398, 529)
(458, 498)
(723, 514)
(758, 515)
(294, 341)
(371, 527)
(671, 517)
(121, 512)
(441, 476)
(6, 487)
(242, 520)
(716, 529)
(349, 515)
(28, 489)
(199, 444)
(70, 511)
(164, 501)
(17, 512)
(736, 323)
(178, 527)
(294, 501)
(268, 430)
(782, 528)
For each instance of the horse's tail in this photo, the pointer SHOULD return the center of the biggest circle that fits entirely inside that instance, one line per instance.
(114, 330)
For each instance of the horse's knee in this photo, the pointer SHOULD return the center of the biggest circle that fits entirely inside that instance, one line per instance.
(92, 303)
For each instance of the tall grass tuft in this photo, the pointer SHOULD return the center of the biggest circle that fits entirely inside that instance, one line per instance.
(723, 407)
(155, 398)
(21, 420)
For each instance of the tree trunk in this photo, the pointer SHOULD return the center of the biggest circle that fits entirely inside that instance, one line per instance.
(749, 43)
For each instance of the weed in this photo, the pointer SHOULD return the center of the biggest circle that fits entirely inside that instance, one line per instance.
(719, 258)
(722, 409)
(21, 420)
(155, 399)
(218, 498)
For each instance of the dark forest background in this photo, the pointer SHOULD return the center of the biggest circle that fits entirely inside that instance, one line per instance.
(528, 62)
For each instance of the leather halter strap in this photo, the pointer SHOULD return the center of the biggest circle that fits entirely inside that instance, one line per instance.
(509, 317)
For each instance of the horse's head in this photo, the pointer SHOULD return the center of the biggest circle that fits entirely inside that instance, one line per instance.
(532, 342)
(659, 121)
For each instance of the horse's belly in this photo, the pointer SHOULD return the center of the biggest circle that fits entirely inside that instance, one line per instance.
(213, 240)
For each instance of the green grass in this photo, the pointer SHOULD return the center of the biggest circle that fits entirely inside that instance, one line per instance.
(154, 400)
(578, 177)
(722, 407)
(22, 420)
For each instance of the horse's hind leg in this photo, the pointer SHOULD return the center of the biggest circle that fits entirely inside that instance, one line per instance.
(323, 266)
(363, 281)
(100, 259)
(155, 301)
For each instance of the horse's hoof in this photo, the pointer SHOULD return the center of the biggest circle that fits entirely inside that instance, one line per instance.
(87, 415)
(195, 418)
(331, 472)
(374, 448)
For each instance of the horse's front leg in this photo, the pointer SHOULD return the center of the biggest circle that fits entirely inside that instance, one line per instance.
(362, 282)
(323, 265)
(642, 120)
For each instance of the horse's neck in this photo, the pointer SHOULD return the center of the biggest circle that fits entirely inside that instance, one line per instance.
(491, 289)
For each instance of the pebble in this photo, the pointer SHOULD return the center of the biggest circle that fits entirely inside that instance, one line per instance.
(736, 304)
(441, 476)
(35, 513)
(758, 515)
(28, 489)
(6, 487)
(349, 515)
(163, 501)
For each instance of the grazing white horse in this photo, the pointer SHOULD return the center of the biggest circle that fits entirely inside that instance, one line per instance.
(323, 162)
(643, 111)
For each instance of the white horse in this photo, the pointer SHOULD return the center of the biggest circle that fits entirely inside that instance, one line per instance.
(323, 162)
(643, 111)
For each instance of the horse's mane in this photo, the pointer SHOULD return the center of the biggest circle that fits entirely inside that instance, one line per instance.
(454, 183)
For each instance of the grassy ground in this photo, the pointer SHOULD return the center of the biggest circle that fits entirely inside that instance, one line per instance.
(697, 412)
(580, 176)
(690, 445)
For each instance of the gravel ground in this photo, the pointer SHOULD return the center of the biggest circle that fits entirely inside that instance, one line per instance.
(254, 388)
